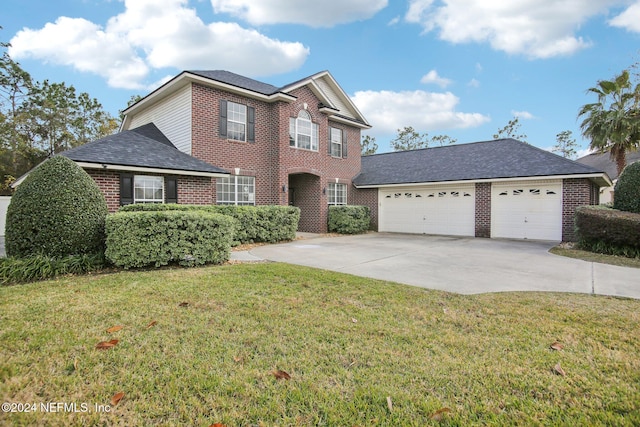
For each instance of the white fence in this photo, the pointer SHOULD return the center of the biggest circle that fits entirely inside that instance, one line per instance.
(4, 204)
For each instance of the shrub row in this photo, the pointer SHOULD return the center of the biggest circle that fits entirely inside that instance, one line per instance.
(268, 224)
(40, 267)
(349, 219)
(140, 239)
(609, 231)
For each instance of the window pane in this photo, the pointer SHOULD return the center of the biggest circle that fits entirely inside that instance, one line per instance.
(236, 121)
(336, 142)
(148, 189)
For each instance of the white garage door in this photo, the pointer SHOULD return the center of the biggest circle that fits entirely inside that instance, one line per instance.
(443, 210)
(527, 210)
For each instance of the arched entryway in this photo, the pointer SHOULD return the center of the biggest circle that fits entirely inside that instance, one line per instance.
(305, 192)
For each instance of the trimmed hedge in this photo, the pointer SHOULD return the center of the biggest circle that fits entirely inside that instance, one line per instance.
(270, 224)
(141, 239)
(349, 219)
(57, 211)
(626, 196)
(609, 231)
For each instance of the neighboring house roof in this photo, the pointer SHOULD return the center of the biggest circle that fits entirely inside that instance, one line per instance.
(488, 160)
(603, 161)
(334, 101)
(143, 147)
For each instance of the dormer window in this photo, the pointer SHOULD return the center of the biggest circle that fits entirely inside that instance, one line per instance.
(303, 133)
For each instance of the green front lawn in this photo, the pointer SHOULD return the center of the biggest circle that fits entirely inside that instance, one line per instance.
(358, 352)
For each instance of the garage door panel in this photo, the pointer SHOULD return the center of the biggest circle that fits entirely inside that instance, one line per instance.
(428, 210)
(527, 210)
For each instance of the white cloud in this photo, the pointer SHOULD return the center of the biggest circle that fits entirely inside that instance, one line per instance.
(325, 13)
(394, 21)
(534, 28)
(523, 115)
(388, 111)
(433, 77)
(474, 83)
(629, 19)
(155, 34)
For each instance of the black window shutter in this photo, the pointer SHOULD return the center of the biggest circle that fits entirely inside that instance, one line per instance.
(251, 124)
(126, 189)
(170, 189)
(223, 118)
(344, 144)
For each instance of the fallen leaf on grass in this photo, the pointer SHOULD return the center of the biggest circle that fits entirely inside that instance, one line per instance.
(389, 404)
(152, 324)
(440, 414)
(281, 375)
(238, 359)
(183, 304)
(117, 398)
(114, 329)
(558, 370)
(217, 425)
(75, 364)
(557, 346)
(105, 345)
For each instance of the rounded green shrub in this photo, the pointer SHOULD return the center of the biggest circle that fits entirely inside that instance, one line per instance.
(627, 191)
(58, 210)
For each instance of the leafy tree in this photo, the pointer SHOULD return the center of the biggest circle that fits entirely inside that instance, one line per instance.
(132, 100)
(565, 145)
(409, 139)
(41, 119)
(613, 122)
(443, 139)
(368, 145)
(511, 130)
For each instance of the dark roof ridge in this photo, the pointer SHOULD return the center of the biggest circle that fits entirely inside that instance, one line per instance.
(447, 146)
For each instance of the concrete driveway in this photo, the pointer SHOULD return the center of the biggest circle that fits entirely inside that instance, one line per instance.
(456, 264)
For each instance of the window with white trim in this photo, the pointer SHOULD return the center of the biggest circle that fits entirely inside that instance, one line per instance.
(148, 189)
(303, 133)
(236, 121)
(336, 142)
(236, 190)
(337, 194)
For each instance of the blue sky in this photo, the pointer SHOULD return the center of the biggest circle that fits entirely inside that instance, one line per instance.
(461, 68)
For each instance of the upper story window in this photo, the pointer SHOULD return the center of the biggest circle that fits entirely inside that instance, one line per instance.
(237, 121)
(236, 190)
(303, 133)
(336, 142)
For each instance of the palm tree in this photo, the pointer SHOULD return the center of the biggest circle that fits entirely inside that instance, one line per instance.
(613, 123)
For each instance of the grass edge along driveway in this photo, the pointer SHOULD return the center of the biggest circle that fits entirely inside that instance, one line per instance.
(211, 345)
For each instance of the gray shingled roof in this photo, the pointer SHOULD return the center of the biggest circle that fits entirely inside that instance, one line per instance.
(145, 146)
(237, 80)
(603, 162)
(502, 158)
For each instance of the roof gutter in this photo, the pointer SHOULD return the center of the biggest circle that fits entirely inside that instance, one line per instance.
(601, 179)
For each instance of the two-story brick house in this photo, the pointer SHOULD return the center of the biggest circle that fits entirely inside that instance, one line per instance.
(298, 144)
(214, 137)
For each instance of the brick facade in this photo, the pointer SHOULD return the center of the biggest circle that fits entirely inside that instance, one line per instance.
(194, 190)
(366, 197)
(575, 192)
(277, 167)
(483, 209)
